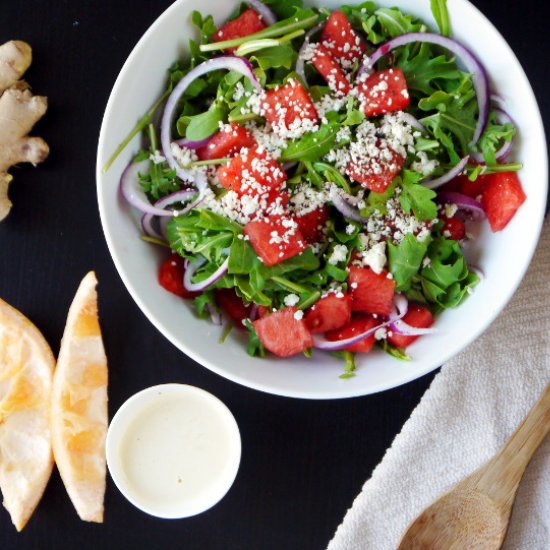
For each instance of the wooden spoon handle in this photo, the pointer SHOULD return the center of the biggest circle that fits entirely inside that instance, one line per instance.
(501, 475)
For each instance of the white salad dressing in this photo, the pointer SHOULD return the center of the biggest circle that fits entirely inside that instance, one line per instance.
(174, 450)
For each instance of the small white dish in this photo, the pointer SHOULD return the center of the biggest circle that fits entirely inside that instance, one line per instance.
(173, 450)
(503, 257)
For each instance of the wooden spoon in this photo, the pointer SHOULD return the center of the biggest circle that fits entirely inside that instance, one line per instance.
(474, 513)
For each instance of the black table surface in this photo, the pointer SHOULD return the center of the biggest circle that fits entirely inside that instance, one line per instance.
(303, 462)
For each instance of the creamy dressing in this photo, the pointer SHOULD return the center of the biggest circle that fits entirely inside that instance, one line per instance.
(179, 454)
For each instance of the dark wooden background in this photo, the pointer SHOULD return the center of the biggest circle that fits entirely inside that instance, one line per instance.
(303, 462)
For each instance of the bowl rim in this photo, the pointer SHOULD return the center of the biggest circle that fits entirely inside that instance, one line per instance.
(313, 393)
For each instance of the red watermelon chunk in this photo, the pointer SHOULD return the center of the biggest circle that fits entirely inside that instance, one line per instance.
(275, 239)
(289, 108)
(417, 316)
(249, 22)
(254, 173)
(371, 292)
(359, 323)
(338, 36)
(376, 171)
(331, 71)
(284, 332)
(227, 143)
(329, 313)
(311, 225)
(232, 305)
(170, 277)
(502, 197)
(453, 228)
(383, 92)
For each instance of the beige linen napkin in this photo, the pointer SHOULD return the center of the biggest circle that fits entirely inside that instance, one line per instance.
(472, 406)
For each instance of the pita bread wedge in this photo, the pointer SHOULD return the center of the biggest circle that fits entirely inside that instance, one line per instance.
(26, 369)
(79, 405)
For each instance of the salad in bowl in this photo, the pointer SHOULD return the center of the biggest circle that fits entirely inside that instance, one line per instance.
(318, 180)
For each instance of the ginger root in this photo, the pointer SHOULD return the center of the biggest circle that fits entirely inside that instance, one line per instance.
(19, 112)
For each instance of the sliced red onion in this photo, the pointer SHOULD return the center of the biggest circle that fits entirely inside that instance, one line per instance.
(469, 60)
(263, 11)
(469, 206)
(434, 183)
(229, 62)
(344, 207)
(184, 195)
(192, 267)
(400, 327)
(503, 118)
(148, 228)
(413, 121)
(131, 189)
(254, 312)
(289, 165)
(215, 315)
(400, 308)
(300, 65)
(188, 144)
(477, 270)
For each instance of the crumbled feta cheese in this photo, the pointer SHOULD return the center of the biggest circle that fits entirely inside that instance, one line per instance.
(424, 165)
(381, 333)
(291, 300)
(375, 257)
(157, 157)
(339, 254)
(450, 210)
(298, 315)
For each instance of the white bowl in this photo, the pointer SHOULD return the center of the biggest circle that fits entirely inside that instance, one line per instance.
(503, 256)
(173, 450)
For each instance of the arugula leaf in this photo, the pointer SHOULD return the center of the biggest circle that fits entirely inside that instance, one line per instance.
(255, 347)
(454, 122)
(493, 137)
(242, 258)
(349, 363)
(395, 23)
(306, 261)
(377, 201)
(283, 55)
(203, 302)
(201, 126)
(405, 259)
(423, 70)
(207, 27)
(441, 16)
(197, 233)
(284, 8)
(417, 198)
(354, 115)
(398, 353)
(313, 146)
(159, 181)
(446, 280)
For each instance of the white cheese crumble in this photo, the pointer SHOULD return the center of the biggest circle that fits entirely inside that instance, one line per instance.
(298, 315)
(424, 165)
(375, 257)
(339, 254)
(157, 157)
(306, 199)
(381, 333)
(291, 300)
